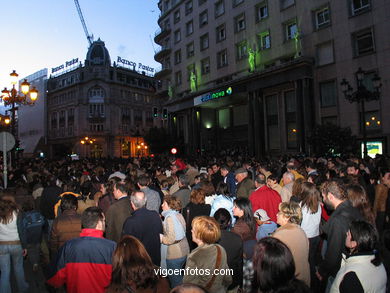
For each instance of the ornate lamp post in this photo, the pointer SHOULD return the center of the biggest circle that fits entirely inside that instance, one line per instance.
(14, 98)
(362, 95)
(87, 141)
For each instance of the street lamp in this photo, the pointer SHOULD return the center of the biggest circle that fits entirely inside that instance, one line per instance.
(87, 141)
(13, 97)
(362, 95)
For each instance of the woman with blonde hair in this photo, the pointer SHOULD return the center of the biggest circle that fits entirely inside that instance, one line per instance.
(207, 257)
(290, 233)
(133, 270)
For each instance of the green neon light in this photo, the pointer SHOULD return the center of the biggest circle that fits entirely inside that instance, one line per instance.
(251, 60)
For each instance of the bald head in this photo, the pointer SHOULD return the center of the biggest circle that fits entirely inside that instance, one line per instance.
(138, 199)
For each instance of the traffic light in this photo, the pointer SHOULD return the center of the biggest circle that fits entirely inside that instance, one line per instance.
(155, 112)
(165, 113)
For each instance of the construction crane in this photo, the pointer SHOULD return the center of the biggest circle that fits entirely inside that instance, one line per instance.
(89, 37)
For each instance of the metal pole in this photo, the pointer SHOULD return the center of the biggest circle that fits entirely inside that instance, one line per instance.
(5, 171)
(365, 152)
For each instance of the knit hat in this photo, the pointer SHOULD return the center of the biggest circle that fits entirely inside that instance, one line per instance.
(261, 215)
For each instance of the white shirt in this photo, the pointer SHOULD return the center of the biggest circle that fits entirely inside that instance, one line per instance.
(311, 222)
(9, 232)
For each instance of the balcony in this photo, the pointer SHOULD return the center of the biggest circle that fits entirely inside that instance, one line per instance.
(161, 33)
(162, 71)
(162, 52)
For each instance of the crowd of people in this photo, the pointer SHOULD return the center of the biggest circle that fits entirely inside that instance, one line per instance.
(210, 224)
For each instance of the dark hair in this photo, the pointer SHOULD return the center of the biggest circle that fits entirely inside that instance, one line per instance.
(245, 205)
(68, 202)
(143, 180)
(366, 238)
(309, 164)
(310, 197)
(274, 268)
(223, 218)
(225, 167)
(7, 208)
(188, 288)
(222, 188)
(122, 187)
(90, 217)
(260, 180)
(335, 187)
(273, 177)
(131, 263)
(358, 197)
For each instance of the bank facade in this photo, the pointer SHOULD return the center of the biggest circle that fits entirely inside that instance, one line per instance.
(262, 74)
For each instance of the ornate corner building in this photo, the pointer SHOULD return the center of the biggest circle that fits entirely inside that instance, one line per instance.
(260, 74)
(99, 109)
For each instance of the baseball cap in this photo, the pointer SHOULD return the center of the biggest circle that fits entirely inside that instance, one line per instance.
(261, 215)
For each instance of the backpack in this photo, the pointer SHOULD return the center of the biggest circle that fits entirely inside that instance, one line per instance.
(32, 224)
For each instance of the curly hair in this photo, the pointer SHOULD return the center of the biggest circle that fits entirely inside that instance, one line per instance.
(292, 211)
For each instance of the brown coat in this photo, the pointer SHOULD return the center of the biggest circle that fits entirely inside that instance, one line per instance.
(65, 227)
(381, 192)
(116, 216)
(241, 228)
(295, 238)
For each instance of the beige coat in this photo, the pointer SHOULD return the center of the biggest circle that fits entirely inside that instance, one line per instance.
(295, 238)
(176, 249)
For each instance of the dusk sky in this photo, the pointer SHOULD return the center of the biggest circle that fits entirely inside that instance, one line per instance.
(46, 33)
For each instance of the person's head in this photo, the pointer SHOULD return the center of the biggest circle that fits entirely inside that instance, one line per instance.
(183, 181)
(261, 216)
(288, 178)
(309, 165)
(310, 196)
(222, 188)
(240, 174)
(289, 212)
(69, 202)
(131, 264)
(385, 178)
(222, 216)
(333, 193)
(188, 288)
(362, 237)
(198, 196)
(273, 264)
(224, 170)
(352, 168)
(215, 167)
(359, 199)
(242, 208)
(93, 218)
(143, 181)
(171, 203)
(7, 209)
(272, 180)
(205, 230)
(119, 190)
(297, 187)
(290, 166)
(260, 180)
(138, 200)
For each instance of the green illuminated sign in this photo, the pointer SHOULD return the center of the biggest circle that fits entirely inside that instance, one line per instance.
(213, 96)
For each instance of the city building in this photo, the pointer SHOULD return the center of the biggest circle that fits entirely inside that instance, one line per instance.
(261, 74)
(99, 108)
(31, 120)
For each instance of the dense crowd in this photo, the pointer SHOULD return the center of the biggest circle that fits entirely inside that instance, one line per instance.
(212, 224)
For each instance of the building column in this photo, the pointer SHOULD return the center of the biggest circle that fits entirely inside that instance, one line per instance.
(258, 107)
(305, 106)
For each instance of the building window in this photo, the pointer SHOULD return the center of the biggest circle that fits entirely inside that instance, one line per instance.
(177, 36)
(94, 127)
(201, 2)
(359, 6)
(219, 8)
(188, 7)
(204, 41)
(176, 16)
(189, 28)
(190, 50)
(328, 94)
(242, 50)
(291, 29)
(54, 120)
(221, 33)
(203, 18)
(237, 2)
(325, 54)
(286, 3)
(239, 23)
(178, 78)
(178, 56)
(363, 42)
(264, 40)
(222, 58)
(261, 11)
(322, 17)
(96, 110)
(205, 65)
(272, 122)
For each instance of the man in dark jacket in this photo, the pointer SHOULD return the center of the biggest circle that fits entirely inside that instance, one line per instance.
(228, 178)
(118, 212)
(146, 225)
(245, 185)
(335, 198)
(84, 264)
(50, 196)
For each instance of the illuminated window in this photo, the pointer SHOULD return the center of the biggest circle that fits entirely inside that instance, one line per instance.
(264, 40)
